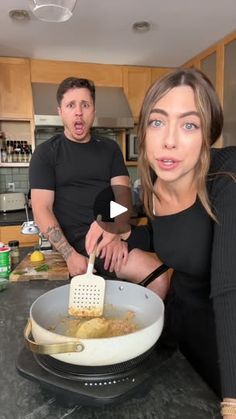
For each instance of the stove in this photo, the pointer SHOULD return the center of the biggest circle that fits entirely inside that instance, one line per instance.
(91, 386)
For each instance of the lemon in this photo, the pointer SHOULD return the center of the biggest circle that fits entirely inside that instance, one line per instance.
(37, 256)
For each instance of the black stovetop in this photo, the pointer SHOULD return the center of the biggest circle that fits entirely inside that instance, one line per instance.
(93, 386)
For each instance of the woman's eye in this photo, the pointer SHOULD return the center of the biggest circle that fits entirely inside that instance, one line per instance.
(155, 123)
(190, 126)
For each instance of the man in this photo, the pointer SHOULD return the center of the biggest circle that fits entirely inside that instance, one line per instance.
(66, 174)
(69, 170)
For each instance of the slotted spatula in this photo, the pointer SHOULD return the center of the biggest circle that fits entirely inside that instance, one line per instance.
(87, 293)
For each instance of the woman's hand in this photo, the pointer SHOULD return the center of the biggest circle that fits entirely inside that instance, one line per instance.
(229, 402)
(115, 254)
(100, 237)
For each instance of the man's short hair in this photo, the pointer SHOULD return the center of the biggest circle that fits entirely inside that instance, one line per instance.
(74, 83)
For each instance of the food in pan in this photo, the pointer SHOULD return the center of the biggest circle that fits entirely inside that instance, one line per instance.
(98, 327)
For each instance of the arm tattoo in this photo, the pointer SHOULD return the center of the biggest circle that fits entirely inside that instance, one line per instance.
(56, 237)
(65, 249)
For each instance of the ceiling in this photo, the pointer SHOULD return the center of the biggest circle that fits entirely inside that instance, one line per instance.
(100, 31)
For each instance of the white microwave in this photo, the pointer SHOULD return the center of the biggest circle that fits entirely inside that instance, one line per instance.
(131, 147)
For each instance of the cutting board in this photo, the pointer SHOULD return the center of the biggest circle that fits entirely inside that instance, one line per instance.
(25, 271)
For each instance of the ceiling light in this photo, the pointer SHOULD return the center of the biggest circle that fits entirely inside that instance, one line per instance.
(18, 14)
(52, 10)
(141, 26)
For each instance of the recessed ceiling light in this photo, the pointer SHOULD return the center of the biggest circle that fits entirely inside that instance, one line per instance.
(141, 26)
(19, 14)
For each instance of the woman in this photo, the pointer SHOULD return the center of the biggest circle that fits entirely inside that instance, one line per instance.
(189, 193)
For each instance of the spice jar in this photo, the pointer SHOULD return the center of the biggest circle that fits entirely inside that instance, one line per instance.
(14, 251)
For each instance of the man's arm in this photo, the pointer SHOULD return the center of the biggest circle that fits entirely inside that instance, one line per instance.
(110, 246)
(42, 205)
(96, 231)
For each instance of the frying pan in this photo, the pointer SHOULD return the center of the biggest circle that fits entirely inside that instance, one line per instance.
(124, 296)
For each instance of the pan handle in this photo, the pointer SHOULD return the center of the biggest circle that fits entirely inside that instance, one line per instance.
(153, 275)
(52, 348)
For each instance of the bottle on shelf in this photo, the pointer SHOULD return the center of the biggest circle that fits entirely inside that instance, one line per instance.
(14, 151)
(3, 155)
(15, 156)
(2, 139)
(9, 156)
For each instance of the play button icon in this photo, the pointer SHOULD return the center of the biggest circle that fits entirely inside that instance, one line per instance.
(116, 209)
(113, 209)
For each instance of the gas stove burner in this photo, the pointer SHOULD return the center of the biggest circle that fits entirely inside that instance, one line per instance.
(83, 373)
(91, 386)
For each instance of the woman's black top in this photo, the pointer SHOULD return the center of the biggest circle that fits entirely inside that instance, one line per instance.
(201, 308)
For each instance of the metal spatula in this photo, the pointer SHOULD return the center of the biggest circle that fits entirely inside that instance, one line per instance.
(87, 293)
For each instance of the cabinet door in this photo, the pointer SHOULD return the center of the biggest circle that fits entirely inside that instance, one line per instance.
(16, 96)
(159, 72)
(208, 66)
(136, 81)
(229, 94)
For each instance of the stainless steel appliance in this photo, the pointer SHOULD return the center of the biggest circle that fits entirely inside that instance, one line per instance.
(112, 108)
(30, 227)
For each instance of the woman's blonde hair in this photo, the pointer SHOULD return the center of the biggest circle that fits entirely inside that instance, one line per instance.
(211, 116)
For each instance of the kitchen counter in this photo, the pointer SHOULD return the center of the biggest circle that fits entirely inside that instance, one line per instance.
(12, 218)
(177, 391)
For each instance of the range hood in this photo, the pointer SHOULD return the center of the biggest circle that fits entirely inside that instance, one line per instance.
(112, 108)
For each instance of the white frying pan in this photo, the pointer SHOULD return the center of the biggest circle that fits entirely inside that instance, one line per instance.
(125, 296)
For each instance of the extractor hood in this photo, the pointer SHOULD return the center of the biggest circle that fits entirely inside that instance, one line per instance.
(112, 108)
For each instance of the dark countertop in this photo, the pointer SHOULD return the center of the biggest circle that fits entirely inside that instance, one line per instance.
(12, 218)
(177, 391)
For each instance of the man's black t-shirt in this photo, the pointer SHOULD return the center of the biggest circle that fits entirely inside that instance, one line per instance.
(77, 173)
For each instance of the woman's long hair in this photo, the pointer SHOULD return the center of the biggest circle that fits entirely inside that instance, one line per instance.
(211, 116)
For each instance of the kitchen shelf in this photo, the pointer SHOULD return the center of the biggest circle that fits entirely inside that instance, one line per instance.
(17, 130)
(14, 164)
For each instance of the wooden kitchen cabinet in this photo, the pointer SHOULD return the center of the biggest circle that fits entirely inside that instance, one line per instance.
(218, 62)
(136, 81)
(16, 104)
(48, 71)
(158, 72)
(208, 66)
(8, 233)
(229, 93)
(16, 96)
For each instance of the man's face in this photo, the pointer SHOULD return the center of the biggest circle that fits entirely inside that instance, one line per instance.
(77, 112)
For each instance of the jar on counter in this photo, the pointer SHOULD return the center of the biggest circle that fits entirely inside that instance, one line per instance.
(5, 261)
(14, 251)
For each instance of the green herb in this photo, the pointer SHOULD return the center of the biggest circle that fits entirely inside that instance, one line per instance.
(20, 272)
(41, 268)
